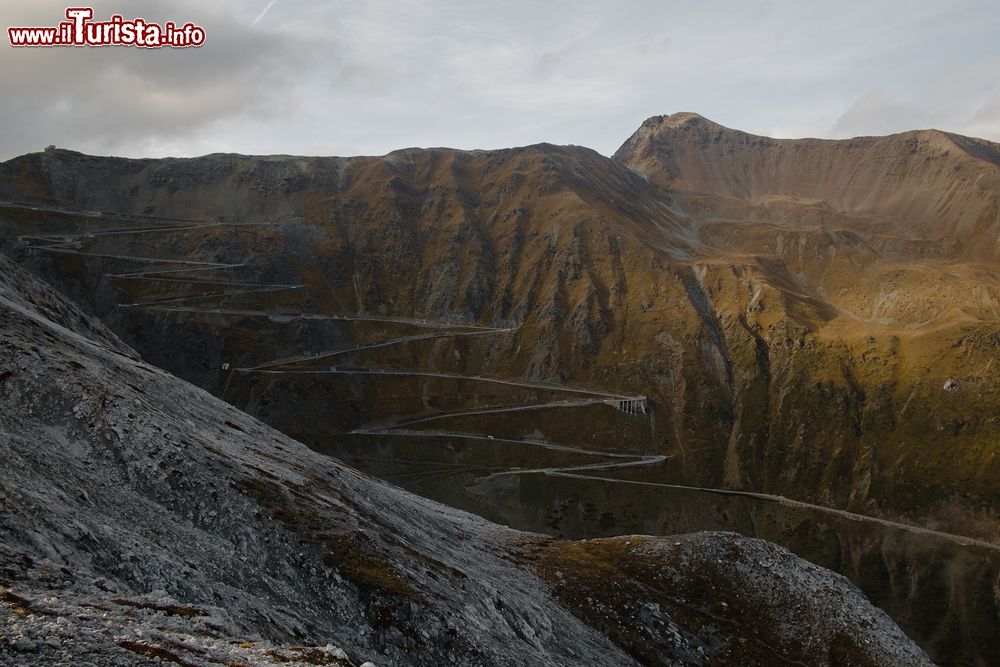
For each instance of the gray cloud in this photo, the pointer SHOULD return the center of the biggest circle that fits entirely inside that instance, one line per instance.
(131, 100)
(876, 113)
(319, 77)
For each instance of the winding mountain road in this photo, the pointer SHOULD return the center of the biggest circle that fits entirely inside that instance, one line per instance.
(628, 459)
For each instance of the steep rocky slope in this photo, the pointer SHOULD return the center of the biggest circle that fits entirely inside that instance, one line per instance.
(145, 521)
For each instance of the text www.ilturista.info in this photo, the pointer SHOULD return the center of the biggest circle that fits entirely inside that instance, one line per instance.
(79, 30)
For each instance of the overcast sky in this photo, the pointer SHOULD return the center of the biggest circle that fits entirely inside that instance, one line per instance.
(339, 77)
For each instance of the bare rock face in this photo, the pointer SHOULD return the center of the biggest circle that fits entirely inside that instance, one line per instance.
(145, 521)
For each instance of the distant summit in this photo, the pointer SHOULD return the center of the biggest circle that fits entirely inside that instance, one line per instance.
(932, 183)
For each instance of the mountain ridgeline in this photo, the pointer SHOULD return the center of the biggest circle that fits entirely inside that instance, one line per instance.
(816, 320)
(925, 185)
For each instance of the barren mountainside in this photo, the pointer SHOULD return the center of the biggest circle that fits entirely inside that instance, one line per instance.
(792, 339)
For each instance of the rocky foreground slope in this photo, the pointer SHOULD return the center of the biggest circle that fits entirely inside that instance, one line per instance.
(144, 521)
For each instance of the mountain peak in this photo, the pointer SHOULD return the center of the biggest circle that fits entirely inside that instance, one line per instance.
(678, 119)
(656, 132)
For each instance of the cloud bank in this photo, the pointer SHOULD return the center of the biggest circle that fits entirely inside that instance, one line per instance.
(320, 77)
